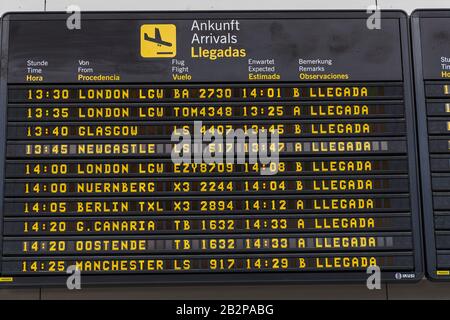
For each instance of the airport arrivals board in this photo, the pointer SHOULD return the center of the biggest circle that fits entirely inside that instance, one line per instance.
(93, 117)
(431, 35)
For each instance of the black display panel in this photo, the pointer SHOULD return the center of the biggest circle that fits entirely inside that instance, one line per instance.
(89, 177)
(430, 34)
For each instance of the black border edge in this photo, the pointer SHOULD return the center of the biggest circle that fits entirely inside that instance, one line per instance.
(1, 202)
(413, 154)
(3, 110)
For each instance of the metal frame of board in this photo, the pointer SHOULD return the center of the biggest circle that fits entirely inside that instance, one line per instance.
(430, 251)
(230, 278)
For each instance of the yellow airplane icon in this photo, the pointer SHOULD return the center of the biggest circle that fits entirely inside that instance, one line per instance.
(158, 40)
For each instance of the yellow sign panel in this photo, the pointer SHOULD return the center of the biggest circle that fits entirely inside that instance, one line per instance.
(443, 272)
(158, 40)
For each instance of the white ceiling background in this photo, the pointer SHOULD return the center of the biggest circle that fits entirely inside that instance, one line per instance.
(106, 5)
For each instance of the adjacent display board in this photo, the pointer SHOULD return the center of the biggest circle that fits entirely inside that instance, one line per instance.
(90, 117)
(431, 48)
